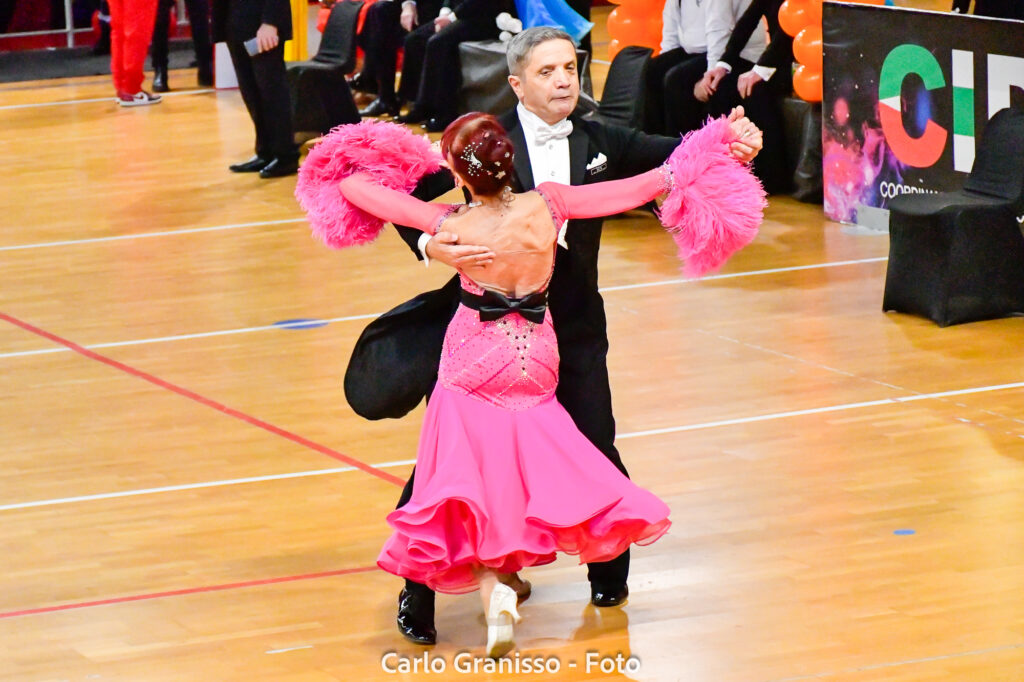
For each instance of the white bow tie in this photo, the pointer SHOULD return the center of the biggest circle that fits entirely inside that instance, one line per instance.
(559, 131)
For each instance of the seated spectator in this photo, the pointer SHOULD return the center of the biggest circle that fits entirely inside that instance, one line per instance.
(757, 80)
(387, 24)
(431, 76)
(672, 75)
(684, 112)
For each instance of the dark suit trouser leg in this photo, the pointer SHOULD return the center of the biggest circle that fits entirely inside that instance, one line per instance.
(442, 76)
(683, 111)
(263, 84)
(381, 39)
(415, 47)
(655, 86)
(158, 48)
(764, 108)
(199, 21)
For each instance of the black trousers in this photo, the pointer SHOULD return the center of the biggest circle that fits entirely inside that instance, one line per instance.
(263, 83)
(431, 75)
(764, 108)
(670, 107)
(381, 38)
(198, 19)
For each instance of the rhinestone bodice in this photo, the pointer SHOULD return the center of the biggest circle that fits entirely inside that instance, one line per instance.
(509, 362)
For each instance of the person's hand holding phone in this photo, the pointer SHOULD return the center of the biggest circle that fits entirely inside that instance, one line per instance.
(266, 37)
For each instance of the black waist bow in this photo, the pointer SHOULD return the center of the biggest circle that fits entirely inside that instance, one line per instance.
(493, 305)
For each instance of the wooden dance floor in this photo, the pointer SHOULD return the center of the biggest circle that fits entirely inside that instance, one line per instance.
(185, 494)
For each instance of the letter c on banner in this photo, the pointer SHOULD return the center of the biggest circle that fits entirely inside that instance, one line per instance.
(903, 60)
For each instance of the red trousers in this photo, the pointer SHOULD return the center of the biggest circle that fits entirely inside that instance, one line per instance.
(131, 28)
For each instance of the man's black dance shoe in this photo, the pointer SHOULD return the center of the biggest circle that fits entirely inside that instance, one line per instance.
(416, 616)
(608, 595)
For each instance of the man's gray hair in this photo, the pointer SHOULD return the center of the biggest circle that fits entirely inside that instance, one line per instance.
(522, 44)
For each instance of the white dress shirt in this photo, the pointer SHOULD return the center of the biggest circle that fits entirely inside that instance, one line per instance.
(549, 161)
(683, 26)
(722, 16)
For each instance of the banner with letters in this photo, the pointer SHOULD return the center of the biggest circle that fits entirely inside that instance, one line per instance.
(906, 96)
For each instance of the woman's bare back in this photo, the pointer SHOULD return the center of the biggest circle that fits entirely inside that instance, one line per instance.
(522, 237)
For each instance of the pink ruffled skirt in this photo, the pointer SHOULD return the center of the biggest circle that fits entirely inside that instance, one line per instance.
(506, 489)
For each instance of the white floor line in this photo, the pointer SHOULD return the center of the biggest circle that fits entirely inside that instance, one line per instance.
(193, 486)
(749, 273)
(63, 102)
(182, 337)
(820, 410)
(353, 318)
(621, 436)
(145, 235)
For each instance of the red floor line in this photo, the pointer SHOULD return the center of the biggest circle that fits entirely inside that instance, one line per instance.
(230, 411)
(188, 591)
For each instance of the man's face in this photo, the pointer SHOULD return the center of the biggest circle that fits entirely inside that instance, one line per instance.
(549, 85)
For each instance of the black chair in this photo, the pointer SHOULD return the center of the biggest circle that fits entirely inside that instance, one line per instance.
(320, 96)
(622, 102)
(958, 256)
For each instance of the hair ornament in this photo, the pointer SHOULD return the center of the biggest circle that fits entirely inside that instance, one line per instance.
(469, 156)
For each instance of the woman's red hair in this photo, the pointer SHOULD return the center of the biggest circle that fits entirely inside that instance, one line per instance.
(480, 152)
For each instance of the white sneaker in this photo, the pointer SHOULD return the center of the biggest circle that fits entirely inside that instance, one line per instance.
(139, 99)
(501, 614)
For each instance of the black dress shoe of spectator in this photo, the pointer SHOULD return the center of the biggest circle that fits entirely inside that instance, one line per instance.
(160, 80)
(363, 84)
(436, 124)
(608, 595)
(379, 107)
(204, 77)
(253, 165)
(414, 115)
(280, 167)
(416, 616)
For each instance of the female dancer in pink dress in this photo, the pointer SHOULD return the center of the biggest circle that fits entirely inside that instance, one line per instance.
(504, 479)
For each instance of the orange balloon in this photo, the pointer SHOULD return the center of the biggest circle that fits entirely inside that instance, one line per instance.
(807, 47)
(625, 27)
(807, 83)
(613, 48)
(654, 30)
(814, 11)
(793, 18)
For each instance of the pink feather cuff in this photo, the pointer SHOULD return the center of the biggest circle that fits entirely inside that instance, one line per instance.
(715, 204)
(393, 155)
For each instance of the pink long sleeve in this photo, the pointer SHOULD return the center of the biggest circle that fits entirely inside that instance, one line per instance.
(604, 198)
(391, 205)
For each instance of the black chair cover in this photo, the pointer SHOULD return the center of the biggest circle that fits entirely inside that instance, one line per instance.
(320, 96)
(622, 102)
(958, 256)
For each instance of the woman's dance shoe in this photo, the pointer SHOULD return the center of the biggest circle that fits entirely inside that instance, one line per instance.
(501, 615)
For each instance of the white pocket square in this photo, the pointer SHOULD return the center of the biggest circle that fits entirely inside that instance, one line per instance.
(599, 160)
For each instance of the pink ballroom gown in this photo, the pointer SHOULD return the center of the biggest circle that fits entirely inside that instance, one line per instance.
(504, 479)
